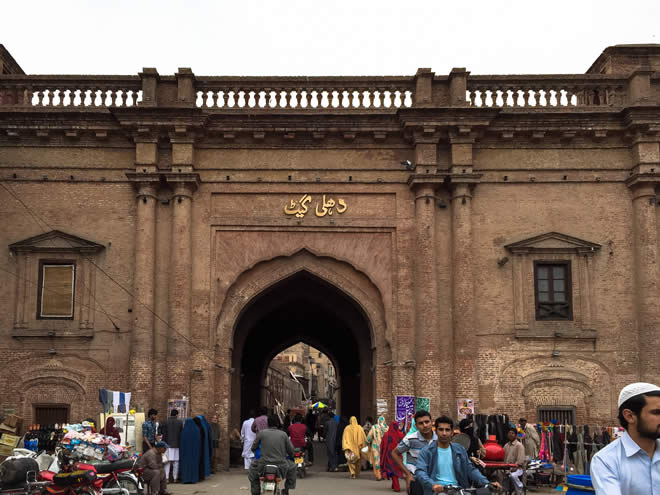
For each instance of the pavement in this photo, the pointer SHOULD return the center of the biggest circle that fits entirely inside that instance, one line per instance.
(235, 482)
(317, 482)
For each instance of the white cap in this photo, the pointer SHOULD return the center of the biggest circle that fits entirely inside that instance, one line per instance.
(630, 391)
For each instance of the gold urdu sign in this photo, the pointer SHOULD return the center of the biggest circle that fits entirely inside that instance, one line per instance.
(321, 207)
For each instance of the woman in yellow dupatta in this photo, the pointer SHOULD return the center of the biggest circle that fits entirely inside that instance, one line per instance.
(353, 441)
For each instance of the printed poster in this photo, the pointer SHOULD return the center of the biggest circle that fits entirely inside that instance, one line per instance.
(465, 407)
(180, 405)
(405, 409)
(423, 404)
(381, 407)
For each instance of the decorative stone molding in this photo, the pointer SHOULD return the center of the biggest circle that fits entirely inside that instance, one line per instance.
(54, 246)
(553, 246)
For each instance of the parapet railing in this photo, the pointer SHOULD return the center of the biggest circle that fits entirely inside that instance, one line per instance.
(559, 90)
(305, 92)
(323, 94)
(70, 91)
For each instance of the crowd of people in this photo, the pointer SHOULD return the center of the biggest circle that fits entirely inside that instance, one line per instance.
(176, 450)
(427, 460)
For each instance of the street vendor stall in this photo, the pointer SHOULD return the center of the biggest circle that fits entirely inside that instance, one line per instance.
(90, 446)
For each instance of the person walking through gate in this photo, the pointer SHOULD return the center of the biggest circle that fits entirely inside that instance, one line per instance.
(630, 465)
(374, 438)
(172, 436)
(275, 447)
(261, 421)
(388, 468)
(353, 441)
(330, 431)
(247, 437)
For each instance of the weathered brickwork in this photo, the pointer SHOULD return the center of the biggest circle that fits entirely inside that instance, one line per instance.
(193, 268)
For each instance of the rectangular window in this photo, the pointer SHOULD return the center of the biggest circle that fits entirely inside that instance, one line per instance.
(552, 287)
(563, 415)
(56, 290)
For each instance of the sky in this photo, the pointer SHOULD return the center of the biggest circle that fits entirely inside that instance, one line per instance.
(313, 37)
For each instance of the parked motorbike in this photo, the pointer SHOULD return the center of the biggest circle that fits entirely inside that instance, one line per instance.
(18, 476)
(301, 464)
(118, 474)
(271, 480)
(82, 482)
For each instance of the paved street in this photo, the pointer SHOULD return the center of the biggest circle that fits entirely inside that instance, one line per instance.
(317, 482)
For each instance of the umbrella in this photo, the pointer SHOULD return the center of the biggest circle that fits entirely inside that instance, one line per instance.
(318, 405)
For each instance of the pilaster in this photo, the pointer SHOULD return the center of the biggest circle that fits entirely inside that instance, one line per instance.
(180, 348)
(463, 182)
(645, 232)
(643, 183)
(141, 360)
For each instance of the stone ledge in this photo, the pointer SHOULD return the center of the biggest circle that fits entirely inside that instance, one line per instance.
(589, 335)
(21, 333)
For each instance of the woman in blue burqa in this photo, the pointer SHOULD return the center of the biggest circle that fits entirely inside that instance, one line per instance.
(190, 451)
(207, 447)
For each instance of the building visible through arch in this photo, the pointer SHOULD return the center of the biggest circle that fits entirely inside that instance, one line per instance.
(455, 236)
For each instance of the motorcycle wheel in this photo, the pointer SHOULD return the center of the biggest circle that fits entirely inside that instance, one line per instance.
(126, 482)
(129, 484)
(88, 490)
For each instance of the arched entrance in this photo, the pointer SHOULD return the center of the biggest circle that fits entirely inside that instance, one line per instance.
(318, 300)
(305, 308)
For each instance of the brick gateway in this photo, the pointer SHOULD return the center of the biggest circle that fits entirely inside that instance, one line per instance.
(490, 237)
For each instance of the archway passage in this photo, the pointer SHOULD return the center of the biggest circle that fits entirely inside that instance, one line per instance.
(303, 308)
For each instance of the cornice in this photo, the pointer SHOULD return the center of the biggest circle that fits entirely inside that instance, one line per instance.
(643, 179)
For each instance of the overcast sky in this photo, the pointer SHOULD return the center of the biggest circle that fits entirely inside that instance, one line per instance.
(313, 37)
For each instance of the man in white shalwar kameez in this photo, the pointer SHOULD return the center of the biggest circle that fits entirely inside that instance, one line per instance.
(247, 437)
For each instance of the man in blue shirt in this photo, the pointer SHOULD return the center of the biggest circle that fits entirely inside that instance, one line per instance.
(149, 430)
(443, 463)
(631, 464)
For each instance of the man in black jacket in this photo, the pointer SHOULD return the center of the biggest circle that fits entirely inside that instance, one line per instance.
(172, 436)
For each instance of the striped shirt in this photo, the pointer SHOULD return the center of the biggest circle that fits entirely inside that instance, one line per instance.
(411, 445)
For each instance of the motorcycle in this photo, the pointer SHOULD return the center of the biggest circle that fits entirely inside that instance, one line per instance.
(271, 480)
(82, 482)
(118, 474)
(23, 483)
(299, 461)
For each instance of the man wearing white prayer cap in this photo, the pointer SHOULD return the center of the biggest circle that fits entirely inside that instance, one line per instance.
(631, 464)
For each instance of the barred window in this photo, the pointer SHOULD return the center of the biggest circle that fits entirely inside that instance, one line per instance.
(563, 415)
(553, 290)
(56, 290)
